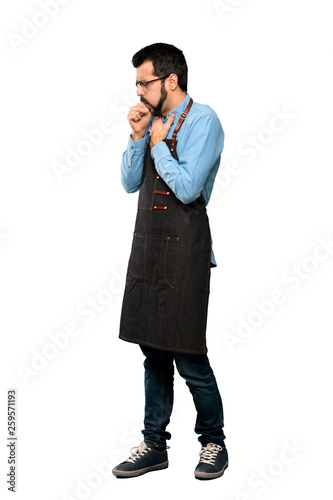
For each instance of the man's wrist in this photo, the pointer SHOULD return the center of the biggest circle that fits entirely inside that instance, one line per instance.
(137, 136)
(154, 141)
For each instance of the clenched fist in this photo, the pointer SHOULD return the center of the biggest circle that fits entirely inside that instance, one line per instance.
(138, 118)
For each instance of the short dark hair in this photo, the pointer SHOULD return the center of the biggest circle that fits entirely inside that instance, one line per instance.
(166, 59)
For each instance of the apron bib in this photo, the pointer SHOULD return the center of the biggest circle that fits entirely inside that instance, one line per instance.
(167, 283)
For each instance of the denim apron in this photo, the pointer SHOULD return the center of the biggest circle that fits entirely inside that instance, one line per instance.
(167, 283)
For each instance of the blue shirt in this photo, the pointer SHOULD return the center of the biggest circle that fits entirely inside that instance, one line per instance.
(200, 142)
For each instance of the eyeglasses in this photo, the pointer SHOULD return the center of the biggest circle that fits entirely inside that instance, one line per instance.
(144, 85)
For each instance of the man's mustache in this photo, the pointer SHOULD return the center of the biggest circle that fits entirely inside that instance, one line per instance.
(142, 99)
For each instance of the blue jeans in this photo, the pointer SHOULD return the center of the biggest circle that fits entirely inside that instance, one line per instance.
(200, 379)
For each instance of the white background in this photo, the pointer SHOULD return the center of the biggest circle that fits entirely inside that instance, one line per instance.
(66, 240)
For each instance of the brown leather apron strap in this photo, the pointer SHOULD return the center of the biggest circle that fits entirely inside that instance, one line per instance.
(179, 124)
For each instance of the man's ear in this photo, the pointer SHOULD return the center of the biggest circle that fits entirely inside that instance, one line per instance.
(173, 81)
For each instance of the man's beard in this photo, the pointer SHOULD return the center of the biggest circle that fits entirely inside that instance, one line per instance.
(157, 110)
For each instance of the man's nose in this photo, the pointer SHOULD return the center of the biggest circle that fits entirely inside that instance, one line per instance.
(139, 91)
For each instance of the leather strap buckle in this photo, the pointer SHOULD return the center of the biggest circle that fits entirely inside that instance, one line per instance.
(179, 124)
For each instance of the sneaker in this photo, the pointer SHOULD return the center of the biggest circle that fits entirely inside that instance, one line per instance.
(143, 459)
(213, 461)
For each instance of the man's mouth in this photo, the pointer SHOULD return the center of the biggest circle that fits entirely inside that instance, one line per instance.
(149, 106)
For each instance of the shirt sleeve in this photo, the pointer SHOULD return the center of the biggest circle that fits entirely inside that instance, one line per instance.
(202, 150)
(132, 163)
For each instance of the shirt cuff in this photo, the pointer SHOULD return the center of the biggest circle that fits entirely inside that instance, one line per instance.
(136, 148)
(160, 150)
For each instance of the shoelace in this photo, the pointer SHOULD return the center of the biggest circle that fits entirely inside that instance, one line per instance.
(138, 451)
(209, 452)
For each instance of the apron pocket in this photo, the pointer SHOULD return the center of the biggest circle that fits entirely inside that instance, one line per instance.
(153, 260)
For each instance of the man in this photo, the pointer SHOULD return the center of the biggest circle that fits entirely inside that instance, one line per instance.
(172, 157)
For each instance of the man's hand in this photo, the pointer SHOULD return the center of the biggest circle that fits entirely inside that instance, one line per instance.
(159, 131)
(138, 118)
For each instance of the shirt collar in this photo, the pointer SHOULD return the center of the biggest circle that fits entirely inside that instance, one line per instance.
(179, 110)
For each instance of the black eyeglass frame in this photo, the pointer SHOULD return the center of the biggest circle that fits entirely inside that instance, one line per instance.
(144, 85)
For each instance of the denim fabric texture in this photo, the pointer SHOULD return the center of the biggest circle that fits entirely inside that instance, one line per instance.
(200, 144)
(195, 369)
(167, 283)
